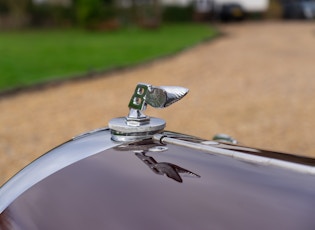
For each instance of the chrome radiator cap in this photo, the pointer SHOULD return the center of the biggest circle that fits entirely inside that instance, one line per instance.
(137, 125)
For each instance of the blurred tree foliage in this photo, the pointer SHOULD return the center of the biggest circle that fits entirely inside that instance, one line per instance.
(85, 13)
(178, 13)
(14, 13)
(4, 8)
(45, 15)
(147, 13)
(92, 13)
(17, 7)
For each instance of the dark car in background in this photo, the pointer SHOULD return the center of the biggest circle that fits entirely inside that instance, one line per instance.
(232, 12)
(136, 175)
(304, 9)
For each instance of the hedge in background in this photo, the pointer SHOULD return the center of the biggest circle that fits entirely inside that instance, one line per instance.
(178, 13)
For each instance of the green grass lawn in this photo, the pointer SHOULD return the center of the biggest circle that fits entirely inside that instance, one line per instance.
(30, 57)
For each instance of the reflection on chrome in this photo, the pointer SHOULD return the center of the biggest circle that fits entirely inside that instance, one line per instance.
(164, 168)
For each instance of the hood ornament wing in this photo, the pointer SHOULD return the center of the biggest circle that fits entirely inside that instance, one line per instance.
(137, 125)
(163, 96)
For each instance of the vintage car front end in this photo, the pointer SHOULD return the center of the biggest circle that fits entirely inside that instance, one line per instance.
(136, 175)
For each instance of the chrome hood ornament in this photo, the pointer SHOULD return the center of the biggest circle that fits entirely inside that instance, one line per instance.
(137, 125)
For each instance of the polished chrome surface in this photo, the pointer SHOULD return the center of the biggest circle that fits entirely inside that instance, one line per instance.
(157, 97)
(72, 151)
(122, 132)
(117, 189)
(119, 124)
(137, 125)
(163, 96)
(224, 138)
(239, 152)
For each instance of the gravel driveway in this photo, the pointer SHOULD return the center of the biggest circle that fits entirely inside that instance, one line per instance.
(256, 83)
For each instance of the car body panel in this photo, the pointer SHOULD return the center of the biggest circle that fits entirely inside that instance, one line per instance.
(78, 148)
(150, 185)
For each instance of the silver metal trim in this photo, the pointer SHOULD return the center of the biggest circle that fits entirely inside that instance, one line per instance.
(160, 138)
(119, 124)
(125, 133)
(53, 161)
